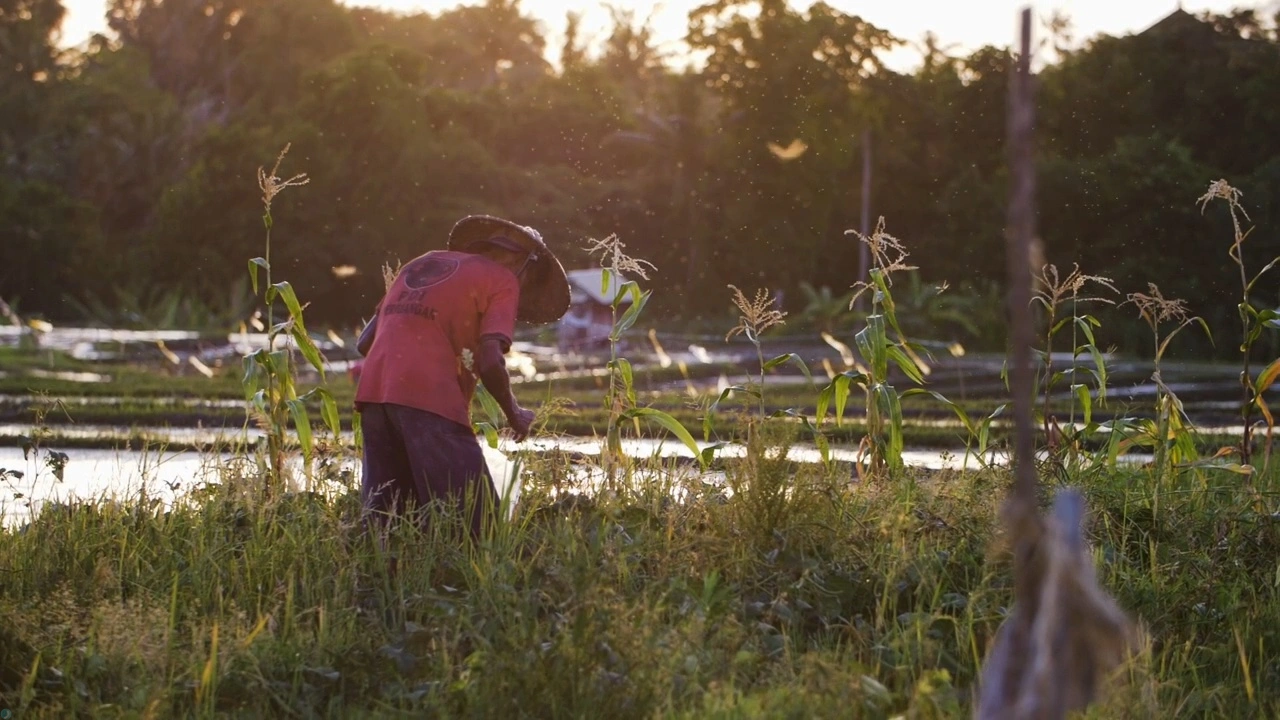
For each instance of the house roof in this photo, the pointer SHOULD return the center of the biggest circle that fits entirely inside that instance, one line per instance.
(588, 283)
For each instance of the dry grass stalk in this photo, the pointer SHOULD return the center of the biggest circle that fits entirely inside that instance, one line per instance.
(756, 315)
(1066, 636)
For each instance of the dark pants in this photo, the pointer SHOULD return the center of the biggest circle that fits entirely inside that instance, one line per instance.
(413, 458)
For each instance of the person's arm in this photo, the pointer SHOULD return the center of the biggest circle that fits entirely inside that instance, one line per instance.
(492, 369)
(365, 342)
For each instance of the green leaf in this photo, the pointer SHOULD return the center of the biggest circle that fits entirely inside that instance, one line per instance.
(956, 409)
(668, 422)
(605, 274)
(308, 349)
(724, 394)
(628, 378)
(838, 392)
(878, 340)
(984, 430)
(1086, 401)
(490, 405)
(302, 424)
(824, 400)
(290, 301)
(1086, 328)
(1263, 271)
(252, 374)
(1100, 365)
(329, 412)
(259, 401)
(889, 402)
(792, 357)
(708, 453)
(490, 434)
(1267, 377)
(905, 364)
(632, 314)
(254, 264)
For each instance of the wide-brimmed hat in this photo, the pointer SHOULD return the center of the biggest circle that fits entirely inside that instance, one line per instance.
(544, 296)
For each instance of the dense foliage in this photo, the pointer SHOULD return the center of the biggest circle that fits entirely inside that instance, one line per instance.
(128, 168)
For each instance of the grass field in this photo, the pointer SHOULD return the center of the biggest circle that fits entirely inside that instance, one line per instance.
(791, 594)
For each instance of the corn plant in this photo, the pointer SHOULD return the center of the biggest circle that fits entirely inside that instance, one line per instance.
(1253, 320)
(270, 382)
(620, 396)
(1055, 293)
(1171, 422)
(755, 317)
(883, 444)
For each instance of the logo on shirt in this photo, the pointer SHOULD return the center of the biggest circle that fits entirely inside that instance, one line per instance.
(427, 271)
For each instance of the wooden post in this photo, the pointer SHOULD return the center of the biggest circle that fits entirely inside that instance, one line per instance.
(1021, 228)
(864, 252)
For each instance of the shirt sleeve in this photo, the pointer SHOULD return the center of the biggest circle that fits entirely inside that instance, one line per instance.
(499, 316)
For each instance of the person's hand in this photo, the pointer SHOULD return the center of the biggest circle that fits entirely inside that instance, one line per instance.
(521, 423)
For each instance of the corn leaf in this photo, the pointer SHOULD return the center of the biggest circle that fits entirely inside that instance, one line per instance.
(301, 423)
(1086, 401)
(671, 424)
(490, 434)
(790, 357)
(1267, 377)
(254, 264)
(490, 405)
(308, 348)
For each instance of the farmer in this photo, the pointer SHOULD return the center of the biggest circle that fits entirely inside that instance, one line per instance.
(447, 319)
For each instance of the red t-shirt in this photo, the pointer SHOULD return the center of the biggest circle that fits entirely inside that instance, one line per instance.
(440, 304)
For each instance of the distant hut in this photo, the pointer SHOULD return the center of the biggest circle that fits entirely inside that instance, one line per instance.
(587, 324)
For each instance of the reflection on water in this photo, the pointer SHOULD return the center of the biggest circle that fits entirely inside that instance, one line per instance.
(125, 474)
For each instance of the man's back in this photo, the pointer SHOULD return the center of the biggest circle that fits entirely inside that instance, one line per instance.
(433, 316)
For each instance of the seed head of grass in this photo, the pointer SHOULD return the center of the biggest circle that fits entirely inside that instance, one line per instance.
(271, 185)
(887, 255)
(389, 273)
(1222, 190)
(1052, 289)
(756, 316)
(613, 257)
(1156, 309)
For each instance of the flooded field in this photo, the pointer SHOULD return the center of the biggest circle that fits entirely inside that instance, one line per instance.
(115, 392)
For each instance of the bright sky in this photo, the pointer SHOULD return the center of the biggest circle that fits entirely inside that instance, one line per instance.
(967, 24)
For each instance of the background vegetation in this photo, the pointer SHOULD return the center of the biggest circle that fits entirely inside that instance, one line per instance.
(124, 166)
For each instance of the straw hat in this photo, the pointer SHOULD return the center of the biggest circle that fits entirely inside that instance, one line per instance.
(544, 296)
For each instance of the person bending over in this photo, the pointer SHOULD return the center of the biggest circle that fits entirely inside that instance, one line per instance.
(446, 320)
